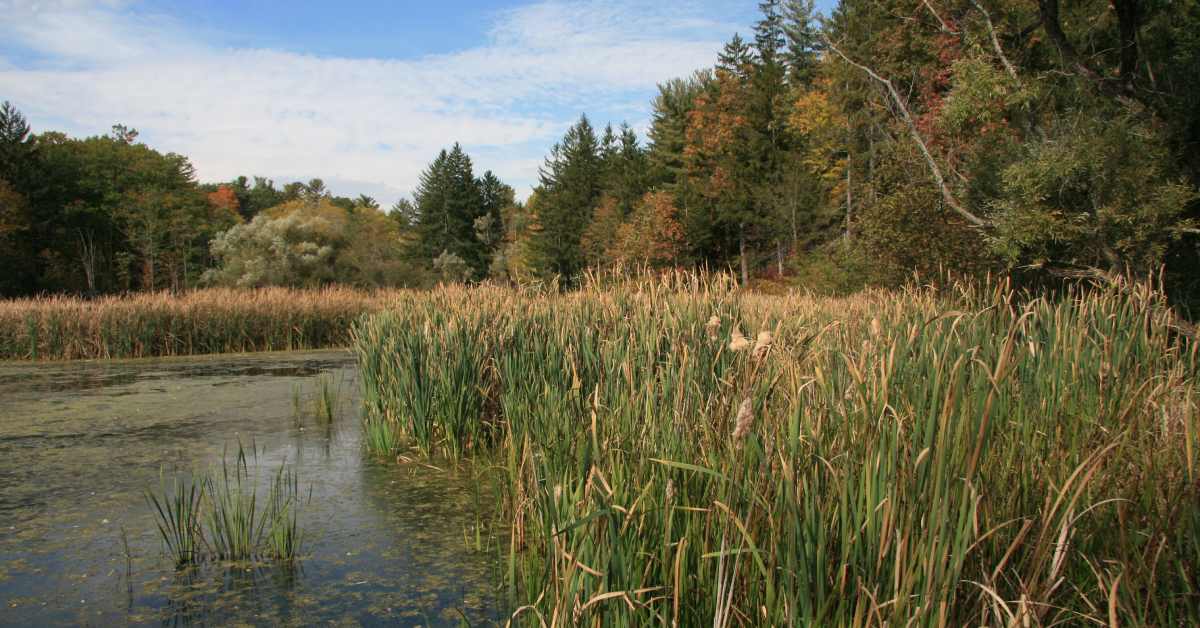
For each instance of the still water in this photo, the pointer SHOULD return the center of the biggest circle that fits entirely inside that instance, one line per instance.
(80, 444)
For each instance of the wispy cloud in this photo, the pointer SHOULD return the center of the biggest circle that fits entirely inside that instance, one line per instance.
(371, 124)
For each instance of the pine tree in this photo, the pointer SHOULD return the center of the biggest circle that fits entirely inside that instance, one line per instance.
(571, 184)
(495, 196)
(803, 48)
(668, 129)
(736, 58)
(17, 149)
(448, 201)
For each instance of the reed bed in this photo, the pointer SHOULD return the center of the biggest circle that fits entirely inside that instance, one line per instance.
(190, 323)
(675, 452)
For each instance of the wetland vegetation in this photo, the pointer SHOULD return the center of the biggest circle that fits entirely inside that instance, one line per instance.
(675, 452)
(193, 323)
(512, 429)
(81, 443)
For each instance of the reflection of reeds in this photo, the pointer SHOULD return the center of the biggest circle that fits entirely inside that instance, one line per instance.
(221, 514)
(197, 322)
(966, 455)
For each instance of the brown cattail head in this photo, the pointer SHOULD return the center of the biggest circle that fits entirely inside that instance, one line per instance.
(745, 417)
(712, 326)
(737, 341)
(762, 345)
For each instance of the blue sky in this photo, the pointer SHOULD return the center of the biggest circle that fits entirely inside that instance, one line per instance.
(360, 93)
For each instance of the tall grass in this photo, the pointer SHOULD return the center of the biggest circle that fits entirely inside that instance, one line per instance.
(191, 323)
(177, 508)
(675, 452)
(220, 516)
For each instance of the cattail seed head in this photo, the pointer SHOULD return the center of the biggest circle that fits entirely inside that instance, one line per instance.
(762, 345)
(745, 416)
(737, 340)
(712, 326)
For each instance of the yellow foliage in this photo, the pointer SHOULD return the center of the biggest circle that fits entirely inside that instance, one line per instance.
(823, 125)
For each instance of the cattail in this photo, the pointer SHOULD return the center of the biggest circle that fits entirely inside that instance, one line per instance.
(712, 326)
(745, 417)
(670, 491)
(762, 345)
(738, 341)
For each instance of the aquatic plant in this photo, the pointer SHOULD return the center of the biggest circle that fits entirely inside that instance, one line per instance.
(232, 518)
(965, 454)
(327, 404)
(284, 538)
(215, 320)
(218, 515)
(177, 508)
(381, 436)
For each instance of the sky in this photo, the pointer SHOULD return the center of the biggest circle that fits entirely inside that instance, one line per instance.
(362, 94)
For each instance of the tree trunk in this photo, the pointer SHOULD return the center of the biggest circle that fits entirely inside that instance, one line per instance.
(87, 258)
(849, 194)
(742, 254)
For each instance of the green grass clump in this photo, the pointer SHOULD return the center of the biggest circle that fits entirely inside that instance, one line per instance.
(676, 452)
(220, 516)
(178, 508)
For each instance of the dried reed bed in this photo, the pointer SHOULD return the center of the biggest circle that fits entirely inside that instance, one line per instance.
(954, 456)
(164, 324)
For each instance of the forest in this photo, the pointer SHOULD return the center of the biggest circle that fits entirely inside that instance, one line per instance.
(1040, 140)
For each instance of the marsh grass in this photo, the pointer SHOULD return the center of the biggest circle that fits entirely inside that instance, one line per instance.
(178, 509)
(220, 515)
(327, 404)
(948, 456)
(324, 402)
(189, 323)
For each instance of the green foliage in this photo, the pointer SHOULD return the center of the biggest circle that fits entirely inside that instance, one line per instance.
(292, 250)
(448, 201)
(959, 456)
(304, 243)
(1092, 195)
(571, 184)
(218, 515)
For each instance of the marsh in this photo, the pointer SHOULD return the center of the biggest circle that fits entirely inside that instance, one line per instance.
(82, 443)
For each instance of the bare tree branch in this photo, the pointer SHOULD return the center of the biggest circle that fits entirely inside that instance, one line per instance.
(934, 169)
(945, 27)
(996, 42)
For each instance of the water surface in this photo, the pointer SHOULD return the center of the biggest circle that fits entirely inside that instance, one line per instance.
(80, 443)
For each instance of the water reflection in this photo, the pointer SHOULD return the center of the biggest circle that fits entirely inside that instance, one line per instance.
(81, 443)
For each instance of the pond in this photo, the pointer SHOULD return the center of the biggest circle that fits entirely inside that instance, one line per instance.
(81, 443)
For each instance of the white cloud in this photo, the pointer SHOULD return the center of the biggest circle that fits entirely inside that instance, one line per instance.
(371, 124)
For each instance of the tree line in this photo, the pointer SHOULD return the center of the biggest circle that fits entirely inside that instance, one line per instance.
(892, 137)
(1038, 140)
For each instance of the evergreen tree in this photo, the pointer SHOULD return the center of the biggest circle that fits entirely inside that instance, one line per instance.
(668, 129)
(802, 52)
(736, 58)
(495, 196)
(448, 201)
(571, 183)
